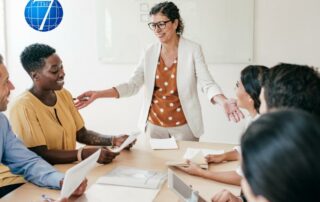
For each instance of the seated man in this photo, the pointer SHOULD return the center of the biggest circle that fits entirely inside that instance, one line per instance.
(285, 86)
(16, 156)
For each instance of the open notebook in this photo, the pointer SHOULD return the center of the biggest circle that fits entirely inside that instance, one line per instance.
(196, 156)
(134, 177)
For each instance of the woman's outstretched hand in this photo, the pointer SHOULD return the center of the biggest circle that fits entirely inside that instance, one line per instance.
(85, 99)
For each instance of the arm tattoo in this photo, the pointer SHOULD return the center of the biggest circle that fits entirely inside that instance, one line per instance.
(89, 137)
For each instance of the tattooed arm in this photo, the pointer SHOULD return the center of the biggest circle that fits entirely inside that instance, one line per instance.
(84, 136)
(89, 137)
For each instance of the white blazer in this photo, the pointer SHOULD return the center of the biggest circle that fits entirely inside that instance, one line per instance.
(191, 71)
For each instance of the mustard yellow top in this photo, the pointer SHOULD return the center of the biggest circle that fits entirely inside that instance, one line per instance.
(37, 124)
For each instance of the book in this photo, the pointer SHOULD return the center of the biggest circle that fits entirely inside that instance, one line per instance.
(196, 156)
(134, 177)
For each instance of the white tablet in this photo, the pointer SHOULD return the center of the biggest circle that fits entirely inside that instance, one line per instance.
(184, 191)
(75, 175)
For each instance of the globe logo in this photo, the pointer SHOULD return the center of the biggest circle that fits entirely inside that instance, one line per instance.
(43, 15)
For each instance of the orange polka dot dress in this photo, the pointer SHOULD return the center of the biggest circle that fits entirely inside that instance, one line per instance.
(165, 109)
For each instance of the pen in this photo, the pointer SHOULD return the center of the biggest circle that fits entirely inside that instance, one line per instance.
(82, 99)
(47, 198)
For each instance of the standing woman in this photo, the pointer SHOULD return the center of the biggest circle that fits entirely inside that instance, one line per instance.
(170, 71)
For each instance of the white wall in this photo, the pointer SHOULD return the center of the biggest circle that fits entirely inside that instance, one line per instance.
(286, 30)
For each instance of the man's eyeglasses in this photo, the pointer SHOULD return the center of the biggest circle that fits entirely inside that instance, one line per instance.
(160, 25)
(238, 84)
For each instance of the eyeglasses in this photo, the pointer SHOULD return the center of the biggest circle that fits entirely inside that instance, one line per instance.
(238, 84)
(160, 25)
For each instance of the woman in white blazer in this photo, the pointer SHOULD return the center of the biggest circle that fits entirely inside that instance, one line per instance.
(170, 71)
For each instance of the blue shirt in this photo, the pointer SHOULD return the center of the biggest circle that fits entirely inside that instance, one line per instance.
(24, 162)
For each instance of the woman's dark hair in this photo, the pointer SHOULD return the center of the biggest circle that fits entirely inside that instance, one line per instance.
(280, 156)
(291, 85)
(170, 10)
(33, 56)
(1, 59)
(251, 78)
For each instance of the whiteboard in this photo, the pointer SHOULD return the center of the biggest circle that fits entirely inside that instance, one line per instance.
(2, 30)
(224, 29)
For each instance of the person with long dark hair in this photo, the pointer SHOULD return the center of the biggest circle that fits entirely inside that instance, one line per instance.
(280, 157)
(285, 86)
(247, 93)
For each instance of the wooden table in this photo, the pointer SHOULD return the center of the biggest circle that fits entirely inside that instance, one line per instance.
(141, 156)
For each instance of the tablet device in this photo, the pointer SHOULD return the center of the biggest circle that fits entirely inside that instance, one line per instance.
(185, 192)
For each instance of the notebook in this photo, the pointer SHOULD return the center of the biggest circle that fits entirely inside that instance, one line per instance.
(196, 156)
(134, 177)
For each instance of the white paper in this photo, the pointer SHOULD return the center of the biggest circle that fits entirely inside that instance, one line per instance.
(198, 155)
(103, 193)
(168, 143)
(75, 175)
(128, 141)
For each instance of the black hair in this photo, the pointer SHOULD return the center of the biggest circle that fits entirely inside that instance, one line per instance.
(1, 59)
(33, 56)
(291, 85)
(251, 78)
(170, 10)
(280, 156)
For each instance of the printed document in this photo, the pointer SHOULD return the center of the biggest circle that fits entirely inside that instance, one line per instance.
(132, 137)
(75, 175)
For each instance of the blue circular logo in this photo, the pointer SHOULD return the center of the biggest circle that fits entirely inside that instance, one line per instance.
(43, 15)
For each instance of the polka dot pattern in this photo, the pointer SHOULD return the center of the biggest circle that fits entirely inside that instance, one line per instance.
(166, 110)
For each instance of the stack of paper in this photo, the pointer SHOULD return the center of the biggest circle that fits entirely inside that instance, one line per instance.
(133, 177)
(167, 143)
